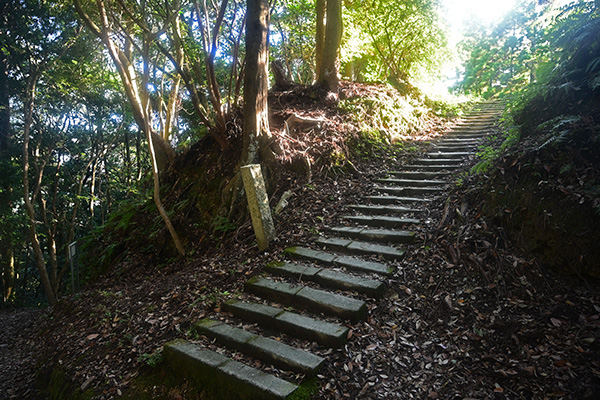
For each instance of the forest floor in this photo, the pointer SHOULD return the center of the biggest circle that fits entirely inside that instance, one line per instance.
(467, 314)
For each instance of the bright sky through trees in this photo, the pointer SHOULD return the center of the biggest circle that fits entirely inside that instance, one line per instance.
(484, 11)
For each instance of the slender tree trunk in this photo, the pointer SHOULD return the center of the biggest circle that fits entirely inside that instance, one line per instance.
(150, 136)
(329, 71)
(35, 242)
(256, 82)
(320, 38)
(7, 259)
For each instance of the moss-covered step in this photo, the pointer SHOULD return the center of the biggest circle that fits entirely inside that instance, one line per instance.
(265, 349)
(412, 182)
(382, 221)
(304, 297)
(384, 209)
(363, 248)
(376, 235)
(300, 326)
(348, 262)
(327, 278)
(223, 377)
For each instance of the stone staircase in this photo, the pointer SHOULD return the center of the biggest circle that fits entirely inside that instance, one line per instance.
(319, 291)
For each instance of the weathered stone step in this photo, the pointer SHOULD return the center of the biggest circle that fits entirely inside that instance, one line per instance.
(434, 167)
(412, 182)
(409, 191)
(438, 161)
(382, 221)
(418, 175)
(384, 209)
(458, 141)
(350, 263)
(222, 376)
(328, 278)
(357, 247)
(308, 298)
(458, 148)
(397, 200)
(378, 235)
(448, 155)
(472, 127)
(265, 349)
(299, 326)
(461, 135)
(482, 115)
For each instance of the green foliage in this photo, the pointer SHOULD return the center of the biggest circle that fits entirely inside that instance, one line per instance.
(385, 116)
(394, 39)
(293, 38)
(151, 359)
(223, 225)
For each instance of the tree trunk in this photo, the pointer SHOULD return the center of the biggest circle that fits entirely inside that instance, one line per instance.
(256, 82)
(35, 242)
(282, 80)
(320, 38)
(7, 260)
(329, 71)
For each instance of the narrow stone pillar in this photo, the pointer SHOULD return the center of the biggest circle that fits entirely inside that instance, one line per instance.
(258, 203)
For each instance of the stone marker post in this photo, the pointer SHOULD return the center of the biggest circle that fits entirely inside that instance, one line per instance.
(258, 203)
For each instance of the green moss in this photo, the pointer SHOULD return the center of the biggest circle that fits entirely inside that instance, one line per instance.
(54, 384)
(306, 389)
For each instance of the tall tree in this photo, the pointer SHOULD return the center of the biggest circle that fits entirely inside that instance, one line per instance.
(137, 87)
(7, 259)
(256, 82)
(328, 62)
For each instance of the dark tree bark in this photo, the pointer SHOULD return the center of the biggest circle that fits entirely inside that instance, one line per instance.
(256, 82)
(329, 71)
(282, 80)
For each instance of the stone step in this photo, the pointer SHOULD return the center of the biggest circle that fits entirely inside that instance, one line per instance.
(459, 148)
(449, 155)
(299, 326)
(409, 191)
(265, 349)
(461, 135)
(382, 221)
(363, 248)
(418, 174)
(384, 209)
(223, 377)
(328, 278)
(350, 263)
(412, 182)
(430, 167)
(482, 115)
(472, 128)
(438, 161)
(375, 235)
(304, 297)
(458, 141)
(397, 200)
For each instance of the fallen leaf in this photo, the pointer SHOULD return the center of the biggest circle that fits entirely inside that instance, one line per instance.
(92, 336)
